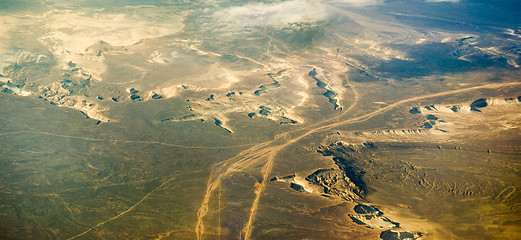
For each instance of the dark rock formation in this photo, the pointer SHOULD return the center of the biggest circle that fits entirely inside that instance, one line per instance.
(219, 123)
(428, 125)
(368, 145)
(297, 187)
(313, 73)
(365, 209)
(431, 117)
(288, 121)
(156, 96)
(431, 108)
(337, 183)
(210, 98)
(372, 218)
(480, 103)
(289, 177)
(415, 110)
(454, 108)
(330, 95)
(395, 235)
(259, 92)
(181, 118)
(263, 88)
(135, 98)
(7, 90)
(133, 91)
(265, 111)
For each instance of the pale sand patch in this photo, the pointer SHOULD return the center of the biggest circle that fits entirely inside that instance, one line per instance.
(168, 92)
(7, 23)
(70, 33)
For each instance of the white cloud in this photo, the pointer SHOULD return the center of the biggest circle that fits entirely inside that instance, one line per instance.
(279, 14)
(358, 3)
(68, 34)
(74, 31)
(442, 0)
(283, 13)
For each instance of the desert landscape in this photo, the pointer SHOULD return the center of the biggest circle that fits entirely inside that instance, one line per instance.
(297, 119)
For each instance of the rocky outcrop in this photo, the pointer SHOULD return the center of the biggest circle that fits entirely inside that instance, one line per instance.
(480, 103)
(297, 187)
(371, 217)
(188, 117)
(396, 235)
(63, 94)
(265, 111)
(156, 96)
(329, 94)
(335, 182)
(415, 110)
(220, 124)
(264, 88)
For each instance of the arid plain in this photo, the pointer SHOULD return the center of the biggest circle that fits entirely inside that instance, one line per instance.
(330, 119)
